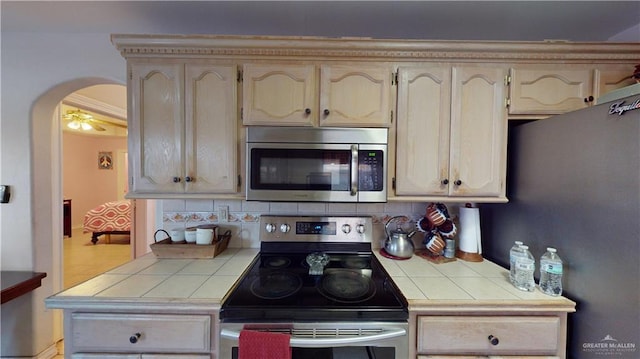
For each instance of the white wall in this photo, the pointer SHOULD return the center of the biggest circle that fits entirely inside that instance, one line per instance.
(38, 71)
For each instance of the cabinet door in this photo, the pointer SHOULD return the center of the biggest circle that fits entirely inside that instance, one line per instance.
(210, 129)
(608, 79)
(478, 132)
(156, 125)
(548, 91)
(355, 95)
(422, 148)
(276, 94)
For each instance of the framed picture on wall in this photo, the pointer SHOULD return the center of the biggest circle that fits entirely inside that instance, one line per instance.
(105, 160)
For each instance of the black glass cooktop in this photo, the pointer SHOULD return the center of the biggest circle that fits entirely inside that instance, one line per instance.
(278, 287)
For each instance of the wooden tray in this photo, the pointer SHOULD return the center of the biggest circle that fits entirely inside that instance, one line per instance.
(167, 249)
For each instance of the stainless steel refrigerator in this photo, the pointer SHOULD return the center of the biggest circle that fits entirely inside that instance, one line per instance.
(574, 184)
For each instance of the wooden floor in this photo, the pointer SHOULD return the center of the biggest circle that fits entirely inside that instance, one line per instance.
(84, 260)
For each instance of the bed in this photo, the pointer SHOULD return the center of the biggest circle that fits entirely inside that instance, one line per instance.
(107, 219)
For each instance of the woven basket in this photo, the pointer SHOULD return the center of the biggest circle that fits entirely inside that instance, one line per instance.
(167, 249)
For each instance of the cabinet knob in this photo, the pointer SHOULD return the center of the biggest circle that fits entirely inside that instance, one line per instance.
(588, 99)
(326, 112)
(188, 179)
(493, 340)
(307, 111)
(134, 338)
(445, 181)
(176, 179)
(458, 182)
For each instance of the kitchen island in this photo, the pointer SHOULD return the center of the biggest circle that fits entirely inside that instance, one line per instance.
(153, 305)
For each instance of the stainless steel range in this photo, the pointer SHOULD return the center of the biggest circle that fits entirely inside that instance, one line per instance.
(317, 280)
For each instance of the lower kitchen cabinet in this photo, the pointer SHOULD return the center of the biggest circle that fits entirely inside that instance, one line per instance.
(142, 336)
(139, 356)
(513, 336)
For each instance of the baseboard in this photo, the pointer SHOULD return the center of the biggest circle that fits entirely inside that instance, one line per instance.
(48, 353)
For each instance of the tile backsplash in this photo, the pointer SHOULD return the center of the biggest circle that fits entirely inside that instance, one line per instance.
(244, 216)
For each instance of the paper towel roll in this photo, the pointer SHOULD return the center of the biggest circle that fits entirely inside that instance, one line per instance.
(469, 232)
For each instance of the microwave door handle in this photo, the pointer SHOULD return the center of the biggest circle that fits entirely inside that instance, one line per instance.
(354, 170)
(305, 342)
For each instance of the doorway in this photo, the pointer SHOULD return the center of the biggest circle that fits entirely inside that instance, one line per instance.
(47, 197)
(94, 171)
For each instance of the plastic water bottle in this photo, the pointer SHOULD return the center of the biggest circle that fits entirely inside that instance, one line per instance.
(514, 252)
(551, 273)
(525, 267)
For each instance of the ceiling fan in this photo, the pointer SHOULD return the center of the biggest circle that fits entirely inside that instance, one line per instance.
(85, 121)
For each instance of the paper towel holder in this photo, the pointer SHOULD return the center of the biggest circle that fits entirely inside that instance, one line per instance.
(469, 241)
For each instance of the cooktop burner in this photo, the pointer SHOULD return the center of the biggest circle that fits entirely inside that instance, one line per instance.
(347, 286)
(276, 285)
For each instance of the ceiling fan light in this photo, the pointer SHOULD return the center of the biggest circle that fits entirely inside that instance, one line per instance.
(85, 126)
(74, 125)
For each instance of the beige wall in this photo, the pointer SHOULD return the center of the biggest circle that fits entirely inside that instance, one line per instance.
(83, 182)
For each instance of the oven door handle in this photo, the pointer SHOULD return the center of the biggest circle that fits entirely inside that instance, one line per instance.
(328, 342)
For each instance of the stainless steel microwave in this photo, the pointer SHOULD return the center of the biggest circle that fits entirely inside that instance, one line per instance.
(308, 164)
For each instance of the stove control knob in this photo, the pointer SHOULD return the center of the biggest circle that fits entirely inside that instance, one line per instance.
(346, 228)
(270, 228)
(360, 228)
(284, 228)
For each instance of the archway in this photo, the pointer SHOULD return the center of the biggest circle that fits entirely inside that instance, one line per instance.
(47, 184)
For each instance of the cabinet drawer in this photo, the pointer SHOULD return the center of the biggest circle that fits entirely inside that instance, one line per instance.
(512, 335)
(139, 356)
(158, 333)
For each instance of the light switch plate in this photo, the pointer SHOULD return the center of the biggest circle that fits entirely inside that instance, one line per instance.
(5, 194)
(223, 214)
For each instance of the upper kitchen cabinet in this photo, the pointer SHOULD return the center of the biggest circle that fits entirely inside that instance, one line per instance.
(310, 95)
(355, 95)
(183, 129)
(479, 132)
(451, 132)
(423, 127)
(446, 115)
(279, 95)
(609, 78)
(548, 90)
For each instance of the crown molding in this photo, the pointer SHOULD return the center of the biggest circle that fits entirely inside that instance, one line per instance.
(316, 48)
(93, 105)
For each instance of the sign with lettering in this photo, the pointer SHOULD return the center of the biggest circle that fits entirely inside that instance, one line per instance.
(618, 108)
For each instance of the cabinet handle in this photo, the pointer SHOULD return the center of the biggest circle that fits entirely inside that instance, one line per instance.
(307, 111)
(493, 340)
(188, 179)
(458, 182)
(134, 338)
(326, 112)
(445, 181)
(176, 179)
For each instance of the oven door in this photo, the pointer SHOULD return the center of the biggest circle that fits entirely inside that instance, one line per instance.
(328, 340)
(302, 172)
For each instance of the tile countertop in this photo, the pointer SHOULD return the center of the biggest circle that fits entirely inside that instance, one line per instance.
(201, 284)
(476, 286)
